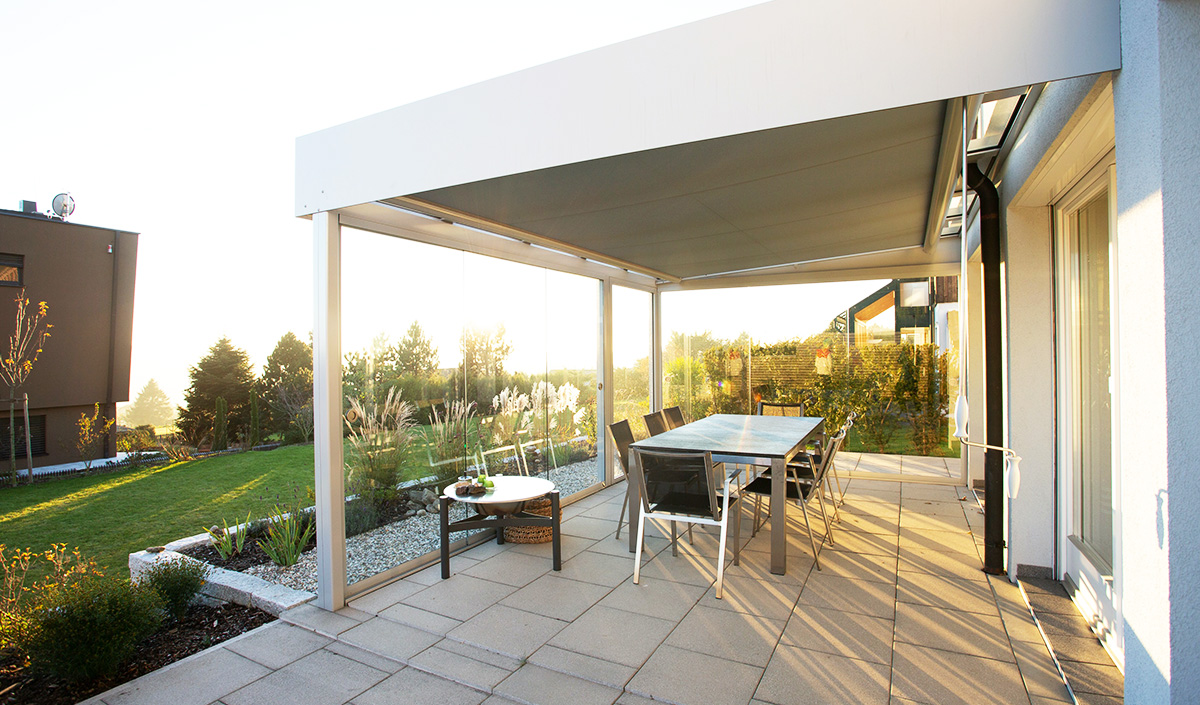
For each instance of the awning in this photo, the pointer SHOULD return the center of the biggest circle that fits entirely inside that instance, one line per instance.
(785, 137)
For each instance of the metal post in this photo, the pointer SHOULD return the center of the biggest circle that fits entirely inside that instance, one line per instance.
(327, 412)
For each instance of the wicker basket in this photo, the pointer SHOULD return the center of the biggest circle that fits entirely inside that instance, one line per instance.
(532, 534)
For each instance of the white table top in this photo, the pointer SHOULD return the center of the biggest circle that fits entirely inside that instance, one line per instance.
(509, 488)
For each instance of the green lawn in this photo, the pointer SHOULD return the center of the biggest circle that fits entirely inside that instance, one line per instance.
(110, 516)
(901, 444)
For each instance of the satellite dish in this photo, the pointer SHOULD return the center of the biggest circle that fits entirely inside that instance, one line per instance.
(63, 205)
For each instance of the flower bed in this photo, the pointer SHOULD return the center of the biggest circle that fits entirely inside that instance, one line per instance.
(367, 553)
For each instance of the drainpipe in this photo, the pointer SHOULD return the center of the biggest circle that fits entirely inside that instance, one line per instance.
(993, 459)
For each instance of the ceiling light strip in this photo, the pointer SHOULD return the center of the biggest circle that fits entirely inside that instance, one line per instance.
(492, 227)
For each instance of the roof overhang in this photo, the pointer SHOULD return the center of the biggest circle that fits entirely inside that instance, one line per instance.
(787, 137)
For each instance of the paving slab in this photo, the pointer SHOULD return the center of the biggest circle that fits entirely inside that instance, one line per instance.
(196, 680)
(843, 633)
(930, 675)
(1037, 669)
(848, 595)
(461, 669)
(431, 622)
(460, 596)
(589, 668)
(598, 568)
(960, 594)
(614, 635)
(756, 597)
(691, 678)
(414, 687)
(321, 678)
(387, 638)
(557, 597)
(535, 685)
(655, 598)
(951, 630)
(735, 636)
(511, 568)
(321, 621)
(508, 631)
(798, 676)
(277, 644)
(384, 597)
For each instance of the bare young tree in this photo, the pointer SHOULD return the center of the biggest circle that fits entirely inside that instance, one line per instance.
(296, 403)
(24, 346)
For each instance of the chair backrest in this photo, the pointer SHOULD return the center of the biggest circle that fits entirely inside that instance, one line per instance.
(674, 416)
(622, 436)
(810, 485)
(679, 483)
(772, 408)
(656, 423)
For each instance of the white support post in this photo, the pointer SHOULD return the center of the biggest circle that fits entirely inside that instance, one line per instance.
(604, 376)
(656, 359)
(327, 411)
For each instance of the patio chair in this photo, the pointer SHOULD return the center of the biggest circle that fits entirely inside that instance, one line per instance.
(674, 416)
(802, 484)
(776, 408)
(656, 423)
(683, 487)
(622, 436)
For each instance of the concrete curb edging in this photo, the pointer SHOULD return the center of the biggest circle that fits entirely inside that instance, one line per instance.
(228, 585)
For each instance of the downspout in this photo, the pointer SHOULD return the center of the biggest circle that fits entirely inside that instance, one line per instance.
(993, 463)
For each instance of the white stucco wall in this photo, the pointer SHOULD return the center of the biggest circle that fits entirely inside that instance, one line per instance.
(1157, 110)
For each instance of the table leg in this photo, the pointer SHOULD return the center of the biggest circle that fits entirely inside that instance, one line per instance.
(778, 516)
(445, 530)
(633, 498)
(555, 530)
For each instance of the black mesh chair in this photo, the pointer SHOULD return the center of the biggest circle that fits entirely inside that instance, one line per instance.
(674, 417)
(656, 423)
(622, 436)
(773, 408)
(803, 482)
(684, 487)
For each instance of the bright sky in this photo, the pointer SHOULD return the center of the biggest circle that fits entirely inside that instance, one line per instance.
(178, 121)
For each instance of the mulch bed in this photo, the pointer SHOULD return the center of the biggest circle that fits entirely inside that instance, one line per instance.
(200, 629)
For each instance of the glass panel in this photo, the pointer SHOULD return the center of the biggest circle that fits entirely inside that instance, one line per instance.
(1094, 468)
(572, 332)
(631, 361)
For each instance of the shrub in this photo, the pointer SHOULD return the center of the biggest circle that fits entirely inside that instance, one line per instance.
(86, 628)
(287, 536)
(92, 436)
(220, 425)
(176, 582)
(361, 516)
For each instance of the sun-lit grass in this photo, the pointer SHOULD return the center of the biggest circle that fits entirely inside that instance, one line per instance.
(110, 516)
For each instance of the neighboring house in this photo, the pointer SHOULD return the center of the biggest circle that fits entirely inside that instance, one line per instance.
(86, 275)
(802, 141)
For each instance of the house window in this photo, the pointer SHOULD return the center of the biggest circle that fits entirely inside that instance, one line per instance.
(12, 270)
(37, 436)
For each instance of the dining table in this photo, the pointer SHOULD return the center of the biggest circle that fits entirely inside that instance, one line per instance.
(737, 439)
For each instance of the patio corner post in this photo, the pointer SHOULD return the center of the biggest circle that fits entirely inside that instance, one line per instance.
(327, 411)
(657, 401)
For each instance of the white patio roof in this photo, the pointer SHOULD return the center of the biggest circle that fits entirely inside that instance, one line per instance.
(788, 137)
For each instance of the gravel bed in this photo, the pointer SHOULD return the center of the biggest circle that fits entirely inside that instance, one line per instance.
(380, 549)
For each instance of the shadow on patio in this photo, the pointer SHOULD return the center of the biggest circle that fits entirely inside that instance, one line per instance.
(900, 613)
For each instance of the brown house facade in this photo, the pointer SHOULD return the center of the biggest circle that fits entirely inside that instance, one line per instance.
(86, 275)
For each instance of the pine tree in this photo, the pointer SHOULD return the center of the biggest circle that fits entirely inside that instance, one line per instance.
(224, 372)
(151, 406)
(287, 381)
(415, 354)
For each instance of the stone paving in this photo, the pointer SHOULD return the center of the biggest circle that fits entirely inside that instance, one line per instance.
(900, 613)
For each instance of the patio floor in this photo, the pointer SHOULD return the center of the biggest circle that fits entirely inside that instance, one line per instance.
(900, 613)
(914, 466)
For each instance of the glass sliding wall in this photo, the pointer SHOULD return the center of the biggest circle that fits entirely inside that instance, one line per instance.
(631, 359)
(455, 364)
